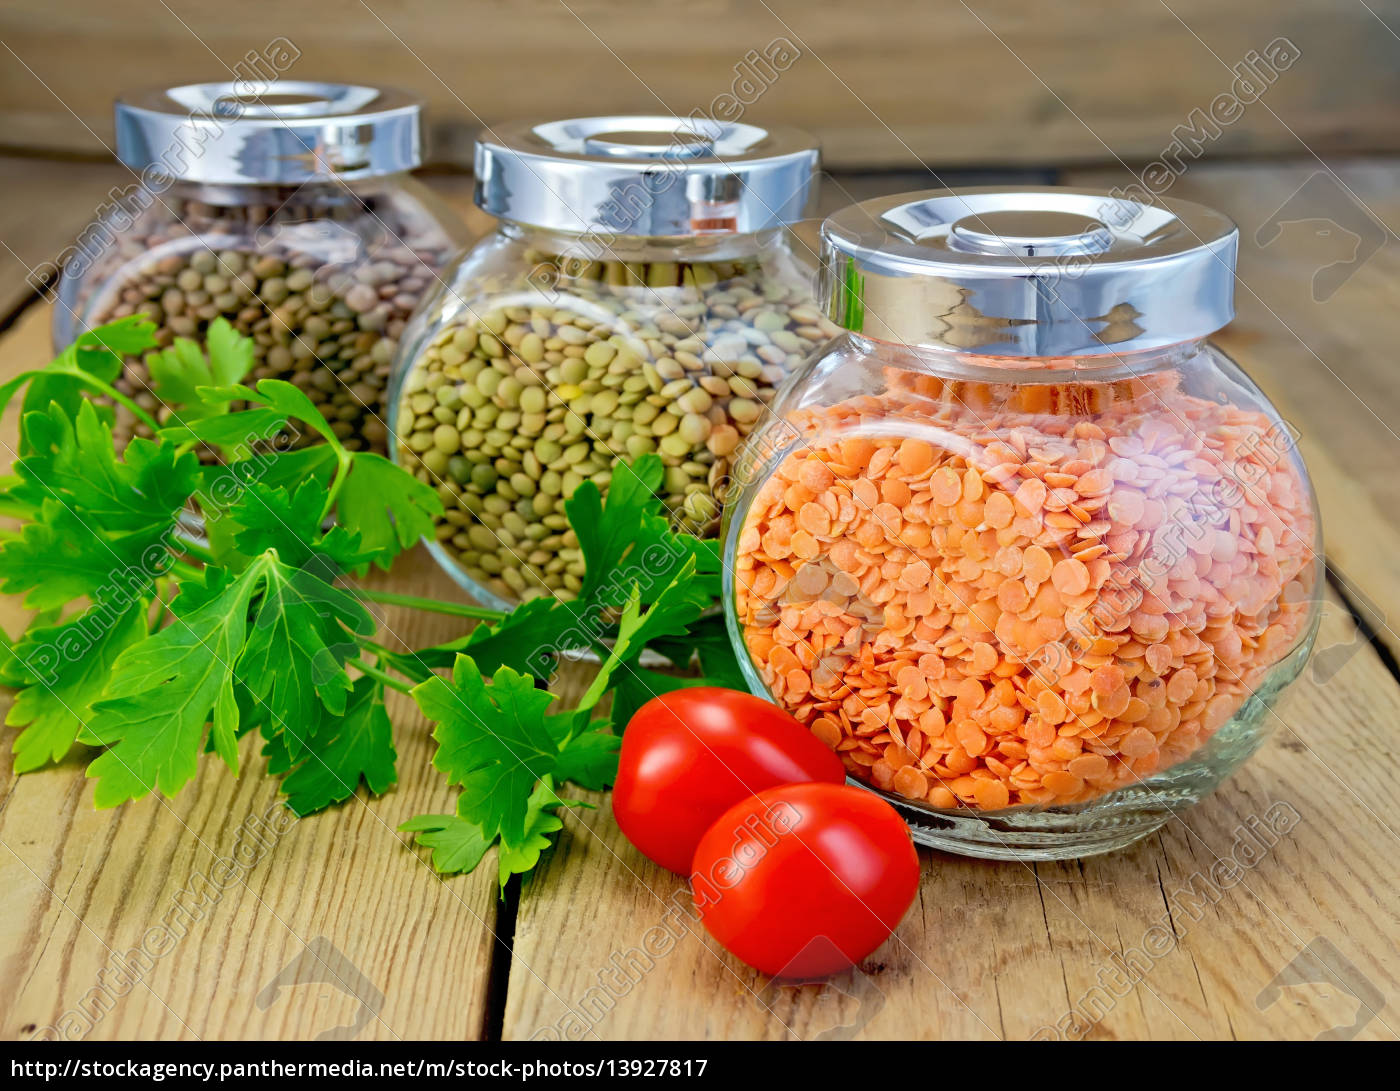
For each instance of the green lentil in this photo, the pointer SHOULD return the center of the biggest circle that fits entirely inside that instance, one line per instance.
(541, 400)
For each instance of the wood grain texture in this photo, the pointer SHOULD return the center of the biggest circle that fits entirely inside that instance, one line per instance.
(31, 239)
(899, 82)
(1328, 364)
(1005, 950)
(338, 907)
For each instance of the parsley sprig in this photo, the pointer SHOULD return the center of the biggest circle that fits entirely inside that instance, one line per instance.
(155, 648)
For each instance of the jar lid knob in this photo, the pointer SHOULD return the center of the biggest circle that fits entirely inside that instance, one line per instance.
(1046, 271)
(1032, 233)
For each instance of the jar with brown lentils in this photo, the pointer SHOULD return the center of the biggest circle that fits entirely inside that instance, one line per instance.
(290, 215)
(642, 294)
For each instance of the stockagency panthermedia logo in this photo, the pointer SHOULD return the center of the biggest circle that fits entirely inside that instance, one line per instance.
(323, 963)
(1341, 226)
(1362, 618)
(834, 1008)
(1321, 976)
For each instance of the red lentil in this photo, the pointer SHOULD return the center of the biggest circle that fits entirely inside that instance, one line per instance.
(900, 597)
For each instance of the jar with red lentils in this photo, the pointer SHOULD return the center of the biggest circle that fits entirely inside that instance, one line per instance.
(1024, 548)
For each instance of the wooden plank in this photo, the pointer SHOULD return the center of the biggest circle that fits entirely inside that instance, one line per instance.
(994, 81)
(323, 913)
(1006, 950)
(1327, 364)
(68, 194)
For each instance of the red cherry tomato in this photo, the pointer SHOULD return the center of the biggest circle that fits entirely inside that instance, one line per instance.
(805, 880)
(689, 755)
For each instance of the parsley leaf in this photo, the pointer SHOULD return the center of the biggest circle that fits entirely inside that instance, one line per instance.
(223, 487)
(282, 397)
(628, 542)
(95, 355)
(345, 749)
(60, 557)
(518, 855)
(303, 632)
(707, 643)
(178, 373)
(680, 602)
(102, 351)
(457, 844)
(164, 690)
(494, 741)
(637, 686)
(73, 460)
(101, 524)
(63, 669)
(505, 747)
(237, 435)
(387, 506)
(266, 518)
(528, 639)
(589, 759)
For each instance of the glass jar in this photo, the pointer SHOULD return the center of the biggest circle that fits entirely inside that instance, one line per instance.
(641, 294)
(1024, 548)
(290, 215)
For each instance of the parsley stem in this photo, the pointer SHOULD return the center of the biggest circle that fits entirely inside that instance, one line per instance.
(200, 553)
(165, 589)
(186, 571)
(455, 609)
(117, 396)
(382, 676)
(344, 460)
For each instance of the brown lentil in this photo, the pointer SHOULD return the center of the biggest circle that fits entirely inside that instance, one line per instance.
(322, 280)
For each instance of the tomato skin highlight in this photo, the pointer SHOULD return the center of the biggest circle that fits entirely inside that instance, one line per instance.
(691, 754)
(805, 880)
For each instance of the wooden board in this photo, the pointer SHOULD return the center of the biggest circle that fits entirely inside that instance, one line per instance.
(899, 83)
(1326, 363)
(1004, 950)
(30, 243)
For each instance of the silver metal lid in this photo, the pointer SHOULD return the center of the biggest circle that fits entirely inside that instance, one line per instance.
(298, 131)
(645, 176)
(1042, 271)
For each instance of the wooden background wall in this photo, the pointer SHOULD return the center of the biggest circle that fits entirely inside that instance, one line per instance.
(885, 83)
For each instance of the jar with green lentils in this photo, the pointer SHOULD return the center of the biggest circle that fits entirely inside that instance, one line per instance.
(642, 293)
(291, 215)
